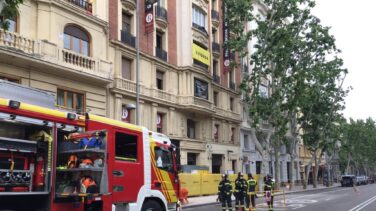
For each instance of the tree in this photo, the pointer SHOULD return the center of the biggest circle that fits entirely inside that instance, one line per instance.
(291, 58)
(9, 11)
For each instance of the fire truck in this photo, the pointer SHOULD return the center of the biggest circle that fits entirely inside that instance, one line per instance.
(56, 160)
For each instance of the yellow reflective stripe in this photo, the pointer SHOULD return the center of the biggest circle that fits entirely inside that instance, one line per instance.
(115, 122)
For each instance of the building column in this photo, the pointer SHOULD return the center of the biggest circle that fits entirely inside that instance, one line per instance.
(118, 106)
(171, 124)
(154, 117)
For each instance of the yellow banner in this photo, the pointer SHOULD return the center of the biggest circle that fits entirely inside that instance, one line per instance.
(200, 54)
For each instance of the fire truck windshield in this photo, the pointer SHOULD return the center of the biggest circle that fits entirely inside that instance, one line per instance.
(163, 158)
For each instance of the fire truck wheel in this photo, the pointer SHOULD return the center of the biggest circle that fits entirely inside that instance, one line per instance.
(151, 206)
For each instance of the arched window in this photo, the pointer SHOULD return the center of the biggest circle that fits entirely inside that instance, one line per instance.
(77, 40)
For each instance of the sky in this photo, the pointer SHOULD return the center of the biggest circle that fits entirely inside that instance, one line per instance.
(354, 27)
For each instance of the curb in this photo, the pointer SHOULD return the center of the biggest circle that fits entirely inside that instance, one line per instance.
(277, 194)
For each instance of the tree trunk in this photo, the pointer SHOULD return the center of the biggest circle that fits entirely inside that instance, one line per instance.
(348, 164)
(314, 174)
(277, 148)
(306, 174)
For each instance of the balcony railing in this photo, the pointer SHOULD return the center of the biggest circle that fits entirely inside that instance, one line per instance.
(215, 15)
(232, 86)
(160, 53)
(161, 12)
(216, 78)
(51, 53)
(200, 28)
(128, 38)
(84, 4)
(216, 47)
(15, 41)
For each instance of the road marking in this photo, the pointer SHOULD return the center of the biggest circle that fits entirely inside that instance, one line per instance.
(364, 204)
(332, 191)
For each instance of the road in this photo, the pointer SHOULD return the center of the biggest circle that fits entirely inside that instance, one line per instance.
(338, 199)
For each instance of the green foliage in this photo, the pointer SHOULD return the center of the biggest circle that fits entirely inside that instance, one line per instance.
(10, 11)
(358, 145)
(295, 56)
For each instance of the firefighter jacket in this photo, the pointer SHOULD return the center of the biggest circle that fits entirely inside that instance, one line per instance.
(269, 185)
(224, 189)
(241, 186)
(251, 185)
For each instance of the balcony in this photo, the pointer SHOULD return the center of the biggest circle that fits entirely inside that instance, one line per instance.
(196, 103)
(161, 17)
(84, 4)
(215, 18)
(232, 86)
(160, 53)
(129, 4)
(227, 114)
(200, 28)
(158, 95)
(216, 79)
(128, 38)
(216, 49)
(61, 61)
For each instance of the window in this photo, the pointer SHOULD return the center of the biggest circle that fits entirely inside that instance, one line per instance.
(231, 104)
(159, 39)
(160, 122)
(191, 129)
(126, 68)
(161, 3)
(192, 158)
(258, 167)
(201, 89)
(232, 76)
(215, 98)
(163, 159)
(246, 142)
(216, 132)
(70, 100)
(215, 68)
(10, 79)
(160, 79)
(77, 40)
(126, 147)
(198, 18)
(263, 91)
(126, 22)
(232, 137)
(12, 24)
(126, 114)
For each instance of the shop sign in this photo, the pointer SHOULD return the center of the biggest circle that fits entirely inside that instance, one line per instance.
(226, 35)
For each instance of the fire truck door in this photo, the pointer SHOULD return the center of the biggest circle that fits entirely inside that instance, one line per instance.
(128, 171)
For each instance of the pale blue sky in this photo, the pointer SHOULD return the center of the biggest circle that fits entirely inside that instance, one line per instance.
(354, 26)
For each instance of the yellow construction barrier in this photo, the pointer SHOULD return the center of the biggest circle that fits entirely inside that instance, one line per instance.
(209, 184)
(191, 182)
(204, 183)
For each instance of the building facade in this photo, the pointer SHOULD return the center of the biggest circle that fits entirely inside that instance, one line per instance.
(61, 47)
(184, 90)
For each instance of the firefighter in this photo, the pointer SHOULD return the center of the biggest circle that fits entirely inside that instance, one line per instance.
(240, 192)
(251, 193)
(268, 188)
(225, 192)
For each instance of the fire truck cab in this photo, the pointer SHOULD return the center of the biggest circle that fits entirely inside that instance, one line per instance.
(58, 160)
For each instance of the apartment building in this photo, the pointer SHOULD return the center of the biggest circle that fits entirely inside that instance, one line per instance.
(184, 90)
(60, 46)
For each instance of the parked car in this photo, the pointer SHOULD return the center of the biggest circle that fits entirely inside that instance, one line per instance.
(361, 180)
(347, 180)
(370, 180)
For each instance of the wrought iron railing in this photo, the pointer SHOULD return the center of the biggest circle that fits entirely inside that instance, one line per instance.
(161, 12)
(84, 4)
(160, 53)
(128, 38)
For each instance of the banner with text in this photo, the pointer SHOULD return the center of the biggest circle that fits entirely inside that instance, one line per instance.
(226, 34)
(200, 54)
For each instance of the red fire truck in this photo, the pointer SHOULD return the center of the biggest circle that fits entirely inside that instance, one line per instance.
(56, 160)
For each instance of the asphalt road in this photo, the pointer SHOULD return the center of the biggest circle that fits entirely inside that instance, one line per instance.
(339, 199)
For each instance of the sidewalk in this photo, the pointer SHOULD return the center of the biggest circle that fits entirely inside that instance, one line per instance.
(207, 200)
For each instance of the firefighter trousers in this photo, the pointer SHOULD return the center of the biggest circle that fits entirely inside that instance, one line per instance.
(239, 202)
(270, 203)
(250, 199)
(226, 200)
